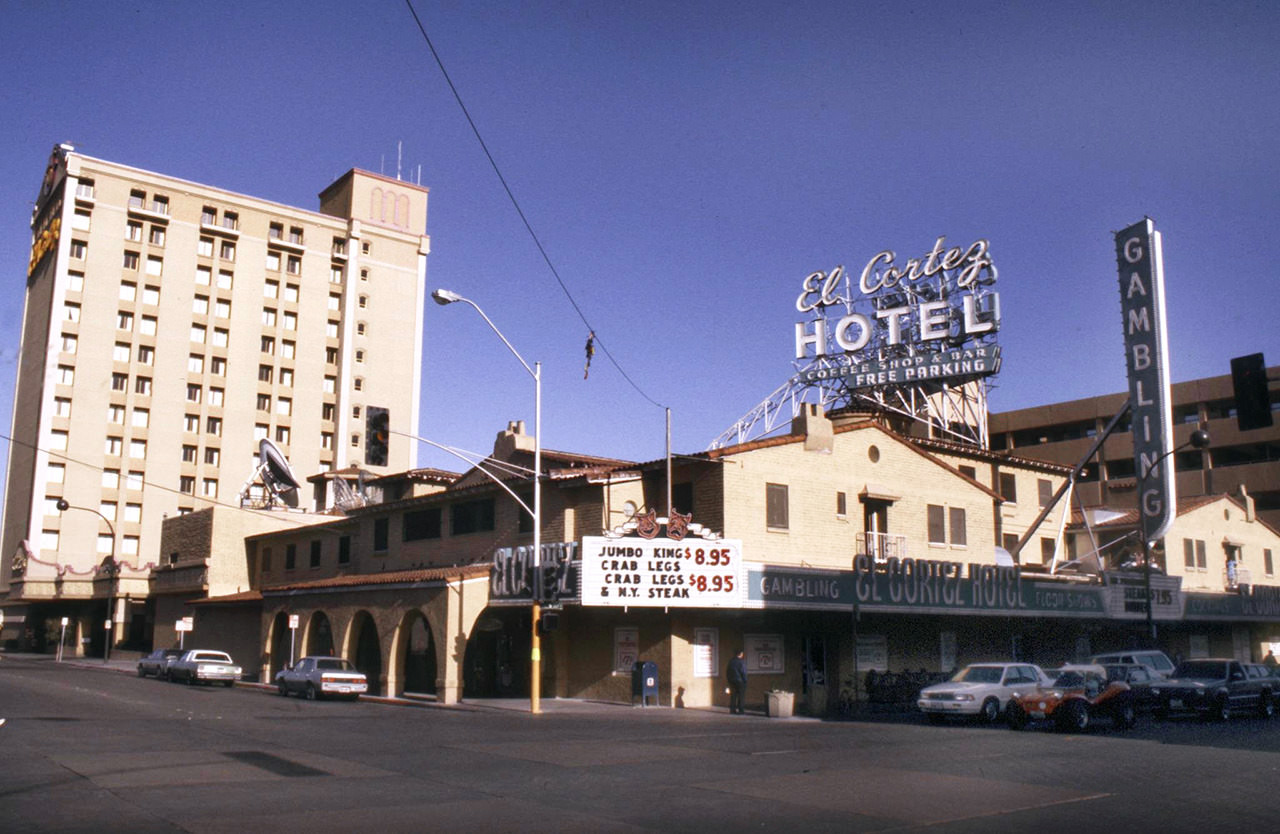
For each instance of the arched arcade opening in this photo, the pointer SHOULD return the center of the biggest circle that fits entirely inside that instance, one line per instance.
(417, 655)
(496, 664)
(366, 651)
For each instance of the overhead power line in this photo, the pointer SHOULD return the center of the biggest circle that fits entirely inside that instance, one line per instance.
(523, 219)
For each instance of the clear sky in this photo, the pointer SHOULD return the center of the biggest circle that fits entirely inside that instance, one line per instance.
(686, 164)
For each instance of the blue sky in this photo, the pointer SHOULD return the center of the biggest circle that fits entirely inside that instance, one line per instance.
(686, 164)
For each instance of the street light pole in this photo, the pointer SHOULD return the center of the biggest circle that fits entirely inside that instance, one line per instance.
(443, 297)
(112, 571)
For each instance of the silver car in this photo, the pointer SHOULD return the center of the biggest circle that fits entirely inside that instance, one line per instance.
(157, 662)
(319, 677)
(203, 666)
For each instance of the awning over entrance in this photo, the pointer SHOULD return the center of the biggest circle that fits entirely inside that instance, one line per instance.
(877, 492)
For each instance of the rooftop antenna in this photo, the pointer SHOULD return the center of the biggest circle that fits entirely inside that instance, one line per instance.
(398, 144)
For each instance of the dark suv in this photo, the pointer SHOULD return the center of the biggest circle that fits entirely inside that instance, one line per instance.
(1215, 688)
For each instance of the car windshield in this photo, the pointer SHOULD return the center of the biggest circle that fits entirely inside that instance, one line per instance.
(978, 674)
(1201, 669)
(335, 663)
(1069, 680)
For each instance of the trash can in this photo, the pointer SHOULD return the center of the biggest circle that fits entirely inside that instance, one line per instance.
(779, 704)
(644, 682)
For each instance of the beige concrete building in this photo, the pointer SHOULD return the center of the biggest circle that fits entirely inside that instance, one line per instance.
(1063, 432)
(168, 328)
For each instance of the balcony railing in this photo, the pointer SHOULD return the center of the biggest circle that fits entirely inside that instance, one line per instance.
(159, 208)
(1234, 577)
(884, 546)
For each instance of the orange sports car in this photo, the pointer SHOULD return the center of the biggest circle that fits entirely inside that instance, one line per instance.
(1079, 696)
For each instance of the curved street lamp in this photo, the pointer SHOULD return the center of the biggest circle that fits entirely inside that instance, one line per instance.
(444, 297)
(1199, 439)
(113, 570)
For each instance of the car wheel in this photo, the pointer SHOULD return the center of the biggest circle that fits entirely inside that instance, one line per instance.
(1126, 716)
(1016, 716)
(311, 692)
(1222, 709)
(990, 711)
(282, 689)
(1075, 717)
(1267, 707)
(141, 672)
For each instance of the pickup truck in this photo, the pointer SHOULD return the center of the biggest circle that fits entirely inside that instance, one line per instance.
(1215, 688)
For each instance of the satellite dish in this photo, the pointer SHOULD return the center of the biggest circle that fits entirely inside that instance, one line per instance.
(276, 474)
(1003, 558)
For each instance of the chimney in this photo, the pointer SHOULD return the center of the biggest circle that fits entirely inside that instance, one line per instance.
(1247, 500)
(513, 440)
(816, 428)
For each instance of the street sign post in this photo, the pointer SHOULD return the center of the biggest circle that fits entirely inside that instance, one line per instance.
(182, 626)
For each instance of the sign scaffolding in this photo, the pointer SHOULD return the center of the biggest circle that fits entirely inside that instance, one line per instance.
(917, 340)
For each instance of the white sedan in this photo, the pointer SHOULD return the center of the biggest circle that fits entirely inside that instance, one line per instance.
(980, 689)
(317, 677)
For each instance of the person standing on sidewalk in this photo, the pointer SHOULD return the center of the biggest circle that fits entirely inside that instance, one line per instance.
(737, 675)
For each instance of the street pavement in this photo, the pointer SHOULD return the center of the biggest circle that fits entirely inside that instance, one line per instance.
(85, 750)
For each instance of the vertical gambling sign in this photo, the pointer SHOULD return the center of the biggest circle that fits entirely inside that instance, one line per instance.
(1146, 348)
(662, 572)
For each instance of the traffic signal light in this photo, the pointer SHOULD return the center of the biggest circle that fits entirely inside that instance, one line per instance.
(377, 433)
(1253, 397)
(548, 621)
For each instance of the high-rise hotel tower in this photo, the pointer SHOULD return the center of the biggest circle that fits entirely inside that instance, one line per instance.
(170, 326)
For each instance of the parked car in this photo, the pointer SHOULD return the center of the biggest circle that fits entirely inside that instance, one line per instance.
(1216, 687)
(204, 666)
(319, 677)
(1141, 680)
(1079, 696)
(157, 662)
(1155, 660)
(979, 690)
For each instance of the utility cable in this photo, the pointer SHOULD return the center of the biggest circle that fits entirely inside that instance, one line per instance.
(523, 219)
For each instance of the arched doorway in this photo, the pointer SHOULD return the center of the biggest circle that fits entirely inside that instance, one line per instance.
(281, 644)
(319, 636)
(368, 650)
(419, 656)
(496, 664)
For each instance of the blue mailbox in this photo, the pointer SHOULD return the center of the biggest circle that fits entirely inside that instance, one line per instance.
(644, 682)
